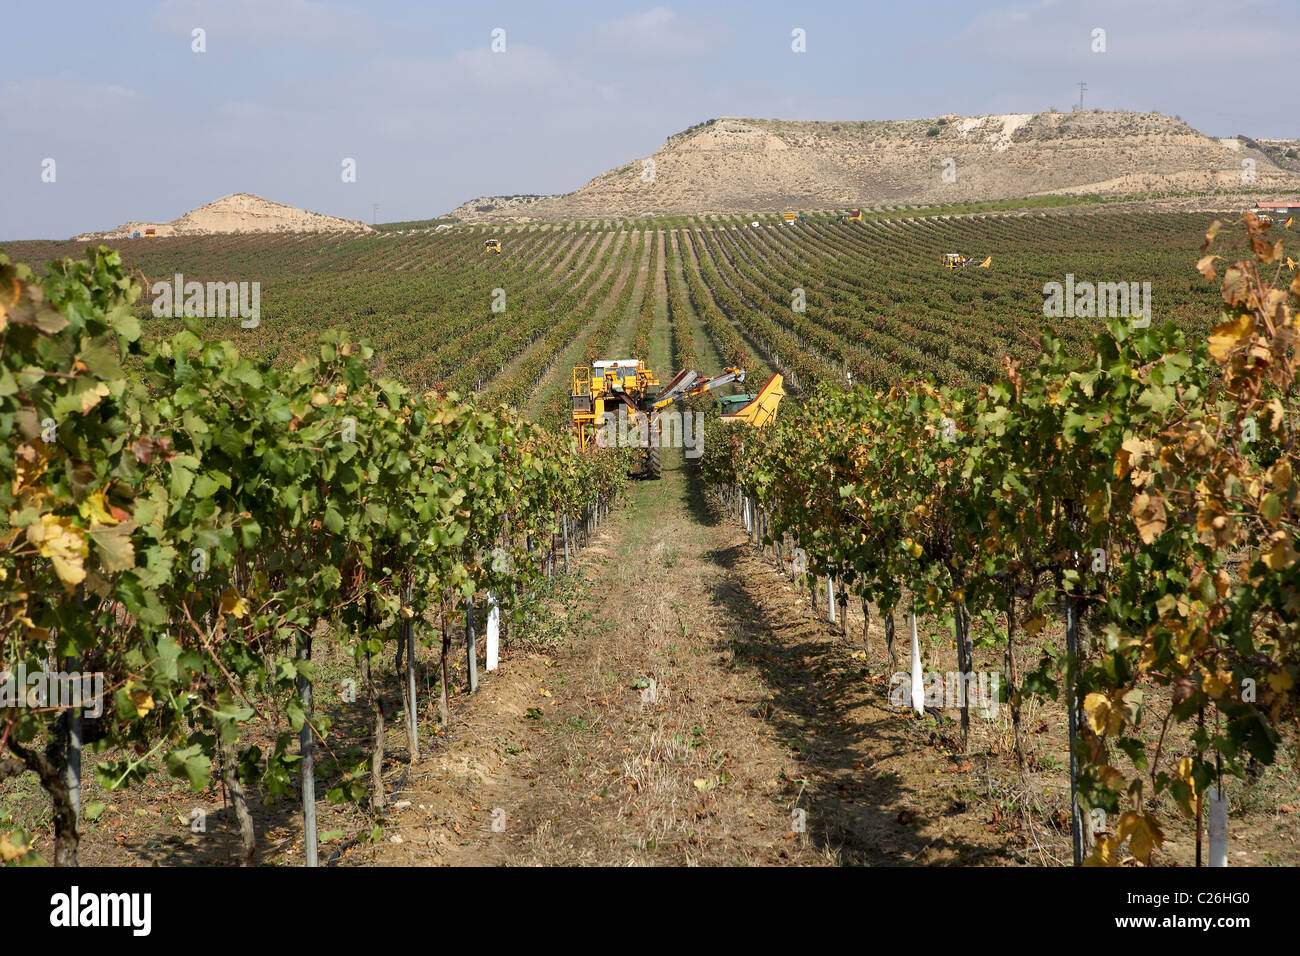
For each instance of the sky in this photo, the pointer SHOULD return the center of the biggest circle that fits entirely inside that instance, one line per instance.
(142, 126)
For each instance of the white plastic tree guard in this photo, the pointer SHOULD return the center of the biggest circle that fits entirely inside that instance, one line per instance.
(1218, 828)
(493, 631)
(918, 679)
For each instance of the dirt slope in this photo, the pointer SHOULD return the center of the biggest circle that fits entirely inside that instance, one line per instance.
(240, 212)
(751, 165)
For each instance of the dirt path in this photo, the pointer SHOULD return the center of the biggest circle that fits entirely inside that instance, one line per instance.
(757, 710)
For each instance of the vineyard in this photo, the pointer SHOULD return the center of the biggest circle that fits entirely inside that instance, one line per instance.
(220, 518)
(184, 530)
(874, 302)
(1142, 490)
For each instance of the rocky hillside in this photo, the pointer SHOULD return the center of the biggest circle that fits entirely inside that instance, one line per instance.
(747, 165)
(241, 212)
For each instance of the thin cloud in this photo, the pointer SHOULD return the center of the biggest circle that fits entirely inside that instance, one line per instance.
(269, 23)
(660, 32)
(1176, 32)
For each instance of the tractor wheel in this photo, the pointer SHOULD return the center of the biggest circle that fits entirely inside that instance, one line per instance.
(653, 469)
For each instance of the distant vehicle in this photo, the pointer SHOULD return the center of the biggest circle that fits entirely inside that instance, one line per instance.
(135, 235)
(853, 215)
(151, 232)
(789, 217)
(492, 245)
(955, 260)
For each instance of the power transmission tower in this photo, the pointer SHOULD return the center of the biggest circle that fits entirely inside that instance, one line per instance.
(1082, 86)
(374, 212)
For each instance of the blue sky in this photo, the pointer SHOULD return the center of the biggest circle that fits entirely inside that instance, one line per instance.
(141, 127)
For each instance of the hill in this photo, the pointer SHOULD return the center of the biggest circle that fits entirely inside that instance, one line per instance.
(240, 212)
(751, 165)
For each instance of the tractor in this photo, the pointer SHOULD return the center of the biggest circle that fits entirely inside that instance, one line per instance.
(853, 215)
(624, 394)
(492, 245)
(955, 260)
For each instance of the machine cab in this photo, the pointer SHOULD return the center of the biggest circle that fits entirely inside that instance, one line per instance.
(618, 375)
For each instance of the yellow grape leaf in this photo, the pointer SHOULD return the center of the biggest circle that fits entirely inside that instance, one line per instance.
(1142, 832)
(94, 508)
(1149, 515)
(1211, 233)
(1228, 335)
(1280, 474)
(1222, 583)
(1280, 681)
(1105, 852)
(1275, 305)
(10, 851)
(1034, 625)
(1215, 683)
(233, 604)
(1282, 554)
(1097, 503)
(90, 397)
(29, 464)
(701, 783)
(1109, 776)
(1132, 454)
(1186, 801)
(142, 701)
(1265, 250)
(1103, 717)
(64, 544)
(1205, 266)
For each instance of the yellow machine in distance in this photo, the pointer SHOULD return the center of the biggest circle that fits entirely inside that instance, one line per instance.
(492, 245)
(955, 260)
(628, 390)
